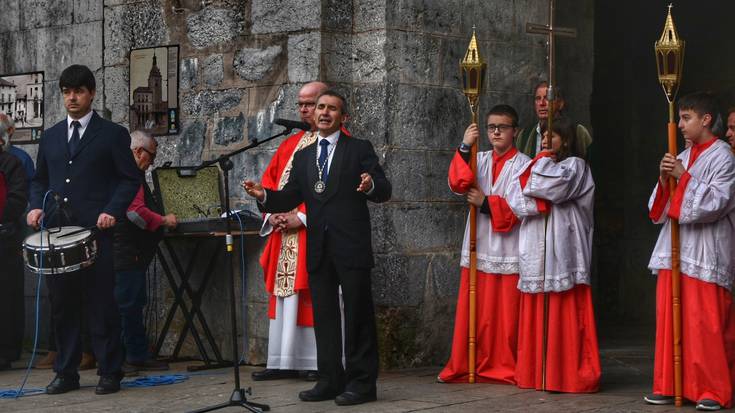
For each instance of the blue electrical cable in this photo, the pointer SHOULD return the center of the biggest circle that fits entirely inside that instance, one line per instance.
(19, 392)
(152, 381)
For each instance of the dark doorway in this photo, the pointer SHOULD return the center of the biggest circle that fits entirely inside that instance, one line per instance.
(629, 116)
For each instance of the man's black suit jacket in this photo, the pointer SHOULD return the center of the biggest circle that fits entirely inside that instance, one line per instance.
(101, 176)
(340, 212)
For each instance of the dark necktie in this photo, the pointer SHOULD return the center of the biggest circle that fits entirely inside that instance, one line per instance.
(74, 141)
(323, 159)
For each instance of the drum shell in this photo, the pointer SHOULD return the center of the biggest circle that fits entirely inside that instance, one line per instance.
(60, 260)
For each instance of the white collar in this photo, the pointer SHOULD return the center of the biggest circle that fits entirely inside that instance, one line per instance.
(84, 121)
(331, 138)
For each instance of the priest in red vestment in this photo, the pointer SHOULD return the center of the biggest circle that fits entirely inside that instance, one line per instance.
(497, 253)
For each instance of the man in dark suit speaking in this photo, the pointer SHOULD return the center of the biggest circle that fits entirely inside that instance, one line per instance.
(335, 177)
(85, 161)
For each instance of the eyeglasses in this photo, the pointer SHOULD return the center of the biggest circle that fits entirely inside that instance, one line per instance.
(152, 155)
(308, 105)
(500, 127)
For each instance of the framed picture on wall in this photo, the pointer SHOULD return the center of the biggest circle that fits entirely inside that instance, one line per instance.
(154, 90)
(21, 98)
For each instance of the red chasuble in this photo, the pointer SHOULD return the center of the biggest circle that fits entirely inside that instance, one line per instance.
(269, 258)
(497, 296)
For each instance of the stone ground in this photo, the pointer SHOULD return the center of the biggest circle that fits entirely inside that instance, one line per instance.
(627, 370)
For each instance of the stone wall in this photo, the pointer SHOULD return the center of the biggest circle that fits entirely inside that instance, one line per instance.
(242, 63)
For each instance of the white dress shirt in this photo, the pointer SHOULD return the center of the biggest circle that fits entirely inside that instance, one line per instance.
(84, 121)
(332, 139)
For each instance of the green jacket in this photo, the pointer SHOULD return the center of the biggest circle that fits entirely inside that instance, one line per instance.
(526, 139)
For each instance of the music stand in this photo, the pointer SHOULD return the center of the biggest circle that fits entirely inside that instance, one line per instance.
(237, 398)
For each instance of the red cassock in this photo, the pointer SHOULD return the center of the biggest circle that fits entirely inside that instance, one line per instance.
(572, 355)
(707, 320)
(269, 258)
(497, 297)
(572, 352)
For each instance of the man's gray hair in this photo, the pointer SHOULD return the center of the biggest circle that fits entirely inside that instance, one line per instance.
(140, 139)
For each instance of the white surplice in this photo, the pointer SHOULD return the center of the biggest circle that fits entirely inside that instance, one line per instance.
(497, 253)
(567, 239)
(707, 219)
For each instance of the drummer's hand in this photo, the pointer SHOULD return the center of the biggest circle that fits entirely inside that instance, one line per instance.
(169, 221)
(33, 218)
(105, 221)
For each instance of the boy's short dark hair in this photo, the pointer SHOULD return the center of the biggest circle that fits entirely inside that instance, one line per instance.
(702, 103)
(77, 76)
(503, 110)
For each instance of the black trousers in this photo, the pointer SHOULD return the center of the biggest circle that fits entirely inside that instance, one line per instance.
(11, 298)
(361, 347)
(92, 288)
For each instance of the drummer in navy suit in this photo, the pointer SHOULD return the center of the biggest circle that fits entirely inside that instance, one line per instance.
(86, 163)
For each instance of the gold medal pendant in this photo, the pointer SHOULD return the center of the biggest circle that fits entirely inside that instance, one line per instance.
(319, 186)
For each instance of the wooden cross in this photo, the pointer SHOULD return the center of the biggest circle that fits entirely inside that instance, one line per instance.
(550, 30)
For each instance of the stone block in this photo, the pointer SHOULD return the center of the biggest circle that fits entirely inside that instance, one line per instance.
(254, 64)
(369, 15)
(54, 58)
(422, 175)
(303, 57)
(213, 70)
(427, 118)
(267, 104)
(10, 17)
(17, 56)
(132, 26)
(35, 14)
(229, 130)
(276, 16)
(87, 45)
(337, 15)
(53, 103)
(416, 56)
(212, 26)
(420, 227)
(87, 10)
(494, 20)
(208, 102)
(191, 142)
(117, 97)
(427, 16)
(399, 279)
(188, 73)
(368, 117)
(357, 57)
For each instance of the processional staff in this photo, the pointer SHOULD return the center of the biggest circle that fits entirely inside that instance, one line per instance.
(472, 72)
(669, 62)
(549, 30)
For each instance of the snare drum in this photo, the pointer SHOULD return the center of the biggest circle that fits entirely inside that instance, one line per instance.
(48, 252)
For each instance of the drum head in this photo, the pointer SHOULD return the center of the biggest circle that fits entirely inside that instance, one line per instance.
(52, 235)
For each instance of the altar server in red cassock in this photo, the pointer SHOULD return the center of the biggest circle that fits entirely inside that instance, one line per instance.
(704, 204)
(497, 253)
(554, 195)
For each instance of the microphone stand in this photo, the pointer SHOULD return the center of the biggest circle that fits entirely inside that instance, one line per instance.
(238, 397)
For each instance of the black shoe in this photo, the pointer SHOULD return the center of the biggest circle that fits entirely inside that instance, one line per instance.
(129, 370)
(349, 398)
(708, 405)
(274, 374)
(61, 384)
(658, 399)
(149, 365)
(108, 384)
(311, 375)
(317, 394)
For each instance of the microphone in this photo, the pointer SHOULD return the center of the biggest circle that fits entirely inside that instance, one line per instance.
(292, 124)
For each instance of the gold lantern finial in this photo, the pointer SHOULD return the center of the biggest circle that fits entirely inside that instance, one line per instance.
(669, 58)
(472, 69)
